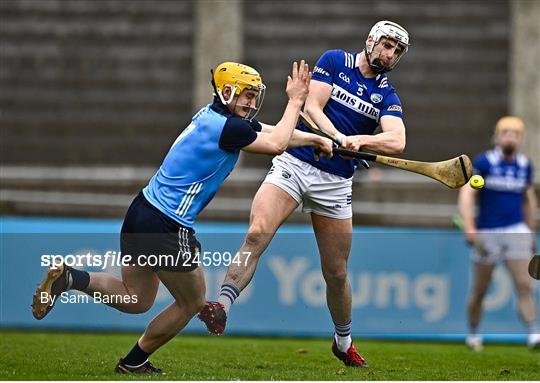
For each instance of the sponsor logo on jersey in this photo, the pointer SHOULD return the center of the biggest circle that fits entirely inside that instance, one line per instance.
(376, 98)
(508, 184)
(395, 108)
(321, 71)
(344, 77)
(354, 103)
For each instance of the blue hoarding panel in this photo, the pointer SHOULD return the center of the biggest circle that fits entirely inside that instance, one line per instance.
(405, 282)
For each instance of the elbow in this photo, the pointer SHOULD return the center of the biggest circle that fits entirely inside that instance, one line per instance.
(308, 108)
(276, 148)
(398, 147)
(279, 149)
(311, 107)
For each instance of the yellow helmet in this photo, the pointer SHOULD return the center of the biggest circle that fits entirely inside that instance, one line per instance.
(238, 77)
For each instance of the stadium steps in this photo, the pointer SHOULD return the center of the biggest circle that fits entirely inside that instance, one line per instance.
(381, 197)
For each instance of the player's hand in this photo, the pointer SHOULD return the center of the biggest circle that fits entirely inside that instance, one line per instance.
(323, 147)
(350, 143)
(471, 236)
(353, 143)
(298, 83)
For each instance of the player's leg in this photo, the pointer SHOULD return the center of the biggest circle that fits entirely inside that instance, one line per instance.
(188, 290)
(329, 201)
(524, 288)
(185, 282)
(275, 200)
(523, 285)
(137, 282)
(518, 241)
(140, 282)
(334, 238)
(482, 273)
(271, 207)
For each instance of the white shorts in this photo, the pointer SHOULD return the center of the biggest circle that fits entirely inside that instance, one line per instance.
(503, 243)
(318, 191)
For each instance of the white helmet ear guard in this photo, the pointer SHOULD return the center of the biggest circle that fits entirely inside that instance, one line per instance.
(389, 30)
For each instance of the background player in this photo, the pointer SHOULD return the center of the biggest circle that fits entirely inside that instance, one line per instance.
(350, 96)
(503, 229)
(160, 219)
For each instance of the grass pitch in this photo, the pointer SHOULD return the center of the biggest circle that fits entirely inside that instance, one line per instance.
(73, 356)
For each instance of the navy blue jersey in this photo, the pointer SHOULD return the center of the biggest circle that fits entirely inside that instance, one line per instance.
(501, 199)
(355, 105)
(198, 162)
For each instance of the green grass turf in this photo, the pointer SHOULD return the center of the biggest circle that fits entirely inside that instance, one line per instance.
(74, 356)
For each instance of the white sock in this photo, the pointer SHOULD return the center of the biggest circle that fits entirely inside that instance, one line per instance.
(228, 295)
(343, 342)
(343, 335)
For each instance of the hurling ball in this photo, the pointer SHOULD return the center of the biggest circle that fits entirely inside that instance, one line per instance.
(476, 182)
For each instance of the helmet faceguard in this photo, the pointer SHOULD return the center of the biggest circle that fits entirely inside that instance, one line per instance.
(389, 30)
(238, 77)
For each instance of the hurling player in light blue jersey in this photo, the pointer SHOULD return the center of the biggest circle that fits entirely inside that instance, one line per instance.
(160, 219)
(350, 96)
(503, 230)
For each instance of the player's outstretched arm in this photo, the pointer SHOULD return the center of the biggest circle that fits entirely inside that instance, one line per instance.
(276, 141)
(299, 138)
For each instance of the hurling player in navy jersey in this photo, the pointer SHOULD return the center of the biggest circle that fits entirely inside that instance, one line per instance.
(503, 229)
(160, 219)
(349, 96)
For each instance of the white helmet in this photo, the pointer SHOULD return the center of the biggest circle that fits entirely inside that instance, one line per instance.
(389, 30)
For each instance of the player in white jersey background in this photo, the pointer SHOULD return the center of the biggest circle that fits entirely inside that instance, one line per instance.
(349, 96)
(160, 219)
(502, 231)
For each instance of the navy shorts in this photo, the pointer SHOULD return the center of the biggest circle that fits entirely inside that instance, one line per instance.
(153, 239)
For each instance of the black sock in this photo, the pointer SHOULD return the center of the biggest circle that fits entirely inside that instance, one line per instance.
(136, 356)
(79, 279)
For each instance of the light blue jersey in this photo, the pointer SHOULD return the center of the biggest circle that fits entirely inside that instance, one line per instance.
(198, 162)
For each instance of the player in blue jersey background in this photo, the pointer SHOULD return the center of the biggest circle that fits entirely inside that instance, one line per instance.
(502, 231)
(160, 219)
(350, 96)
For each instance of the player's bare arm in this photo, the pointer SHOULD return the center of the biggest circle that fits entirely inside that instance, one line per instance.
(390, 141)
(466, 205)
(319, 94)
(530, 206)
(299, 138)
(276, 140)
